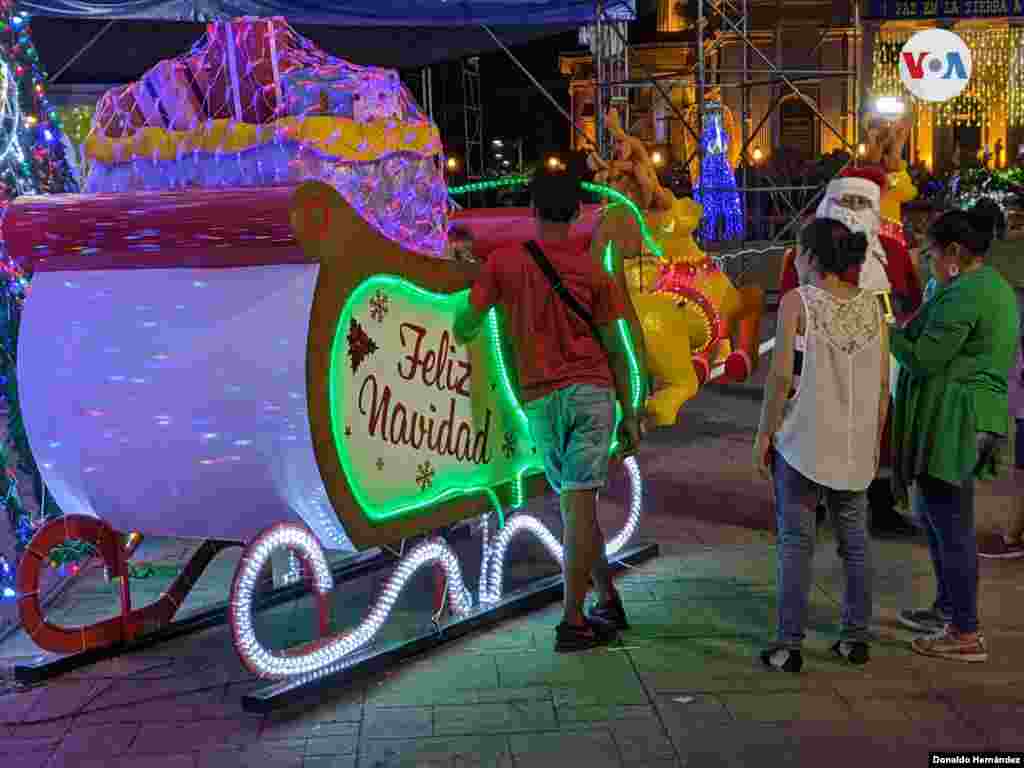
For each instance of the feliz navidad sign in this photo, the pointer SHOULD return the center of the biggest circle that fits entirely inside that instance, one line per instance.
(418, 419)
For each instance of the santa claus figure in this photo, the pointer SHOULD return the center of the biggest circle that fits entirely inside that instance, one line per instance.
(855, 199)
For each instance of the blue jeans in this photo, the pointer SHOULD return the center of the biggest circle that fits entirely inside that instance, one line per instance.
(947, 512)
(796, 498)
(572, 428)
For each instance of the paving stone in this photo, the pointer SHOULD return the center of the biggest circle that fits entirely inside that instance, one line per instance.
(642, 740)
(297, 726)
(592, 748)
(398, 722)
(49, 729)
(781, 707)
(134, 667)
(603, 713)
(97, 740)
(65, 699)
(167, 738)
(683, 712)
(500, 717)
(333, 761)
(426, 682)
(14, 745)
(134, 761)
(463, 751)
(255, 756)
(602, 669)
(161, 706)
(330, 739)
(706, 665)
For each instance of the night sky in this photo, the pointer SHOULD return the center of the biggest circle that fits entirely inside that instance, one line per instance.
(514, 108)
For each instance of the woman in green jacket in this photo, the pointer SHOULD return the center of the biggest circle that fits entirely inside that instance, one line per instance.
(950, 417)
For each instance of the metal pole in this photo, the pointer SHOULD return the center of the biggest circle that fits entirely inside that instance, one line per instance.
(600, 103)
(82, 51)
(536, 83)
(744, 177)
(701, 21)
(792, 86)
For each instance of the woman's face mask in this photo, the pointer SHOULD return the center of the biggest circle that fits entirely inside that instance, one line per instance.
(942, 264)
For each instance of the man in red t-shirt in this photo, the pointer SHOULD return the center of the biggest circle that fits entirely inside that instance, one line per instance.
(569, 380)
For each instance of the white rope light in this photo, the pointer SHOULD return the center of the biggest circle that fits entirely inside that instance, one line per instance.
(328, 654)
(518, 523)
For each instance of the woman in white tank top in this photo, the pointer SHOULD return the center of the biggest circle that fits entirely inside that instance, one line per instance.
(822, 442)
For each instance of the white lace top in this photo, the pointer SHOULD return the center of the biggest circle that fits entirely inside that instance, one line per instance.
(829, 430)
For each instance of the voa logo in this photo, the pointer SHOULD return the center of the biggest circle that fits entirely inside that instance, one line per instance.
(935, 65)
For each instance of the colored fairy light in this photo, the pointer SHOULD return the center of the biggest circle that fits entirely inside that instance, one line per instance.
(328, 654)
(474, 483)
(716, 189)
(274, 109)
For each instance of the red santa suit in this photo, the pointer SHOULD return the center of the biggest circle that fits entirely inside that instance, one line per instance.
(888, 269)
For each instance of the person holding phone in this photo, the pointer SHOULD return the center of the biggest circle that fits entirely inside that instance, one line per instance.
(819, 442)
(951, 418)
(562, 311)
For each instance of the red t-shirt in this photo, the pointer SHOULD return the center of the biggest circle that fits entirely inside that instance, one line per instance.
(554, 346)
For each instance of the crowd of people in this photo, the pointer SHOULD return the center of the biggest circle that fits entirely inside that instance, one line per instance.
(851, 385)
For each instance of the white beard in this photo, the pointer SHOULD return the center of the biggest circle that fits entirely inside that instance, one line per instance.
(873, 276)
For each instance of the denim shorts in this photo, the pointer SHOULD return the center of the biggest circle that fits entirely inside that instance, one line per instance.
(572, 428)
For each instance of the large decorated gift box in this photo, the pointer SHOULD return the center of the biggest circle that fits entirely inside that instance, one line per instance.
(256, 104)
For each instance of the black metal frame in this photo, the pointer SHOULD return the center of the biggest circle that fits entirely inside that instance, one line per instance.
(374, 661)
(49, 666)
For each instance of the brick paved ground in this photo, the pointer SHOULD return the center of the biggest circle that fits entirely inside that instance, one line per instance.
(682, 688)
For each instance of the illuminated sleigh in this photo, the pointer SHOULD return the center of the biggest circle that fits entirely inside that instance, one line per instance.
(261, 368)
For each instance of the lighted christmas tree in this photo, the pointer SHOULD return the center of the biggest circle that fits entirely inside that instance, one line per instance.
(716, 189)
(32, 158)
(32, 161)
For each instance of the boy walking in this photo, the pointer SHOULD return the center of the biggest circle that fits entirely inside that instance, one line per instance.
(561, 310)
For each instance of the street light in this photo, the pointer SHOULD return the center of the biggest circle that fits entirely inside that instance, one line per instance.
(862, 150)
(453, 164)
(553, 163)
(757, 154)
(890, 106)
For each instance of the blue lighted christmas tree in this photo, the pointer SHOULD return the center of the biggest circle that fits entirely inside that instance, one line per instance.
(723, 211)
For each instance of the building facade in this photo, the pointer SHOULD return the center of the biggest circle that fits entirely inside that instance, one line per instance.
(814, 46)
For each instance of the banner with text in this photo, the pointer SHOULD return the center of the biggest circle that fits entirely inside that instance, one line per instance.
(922, 10)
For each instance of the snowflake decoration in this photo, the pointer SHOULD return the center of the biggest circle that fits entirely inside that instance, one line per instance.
(425, 475)
(508, 447)
(379, 306)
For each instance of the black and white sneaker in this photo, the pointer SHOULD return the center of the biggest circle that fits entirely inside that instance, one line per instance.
(570, 638)
(856, 653)
(783, 659)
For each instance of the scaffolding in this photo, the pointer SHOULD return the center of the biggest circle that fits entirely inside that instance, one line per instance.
(473, 118)
(756, 70)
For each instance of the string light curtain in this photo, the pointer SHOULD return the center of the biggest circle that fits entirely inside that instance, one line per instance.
(995, 87)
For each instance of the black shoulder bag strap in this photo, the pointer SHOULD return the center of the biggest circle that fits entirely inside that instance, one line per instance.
(556, 282)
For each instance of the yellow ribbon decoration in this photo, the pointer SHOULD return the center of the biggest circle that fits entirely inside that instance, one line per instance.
(336, 137)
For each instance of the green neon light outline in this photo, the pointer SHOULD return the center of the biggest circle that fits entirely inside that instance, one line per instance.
(402, 507)
(600, 189)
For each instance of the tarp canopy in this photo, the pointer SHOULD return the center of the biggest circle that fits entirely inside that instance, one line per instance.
(129, 48)
(419, 13)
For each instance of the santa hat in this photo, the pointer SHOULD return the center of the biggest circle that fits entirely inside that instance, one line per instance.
(867, 182)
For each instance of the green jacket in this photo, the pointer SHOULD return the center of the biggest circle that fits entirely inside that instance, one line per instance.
(955, 357)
